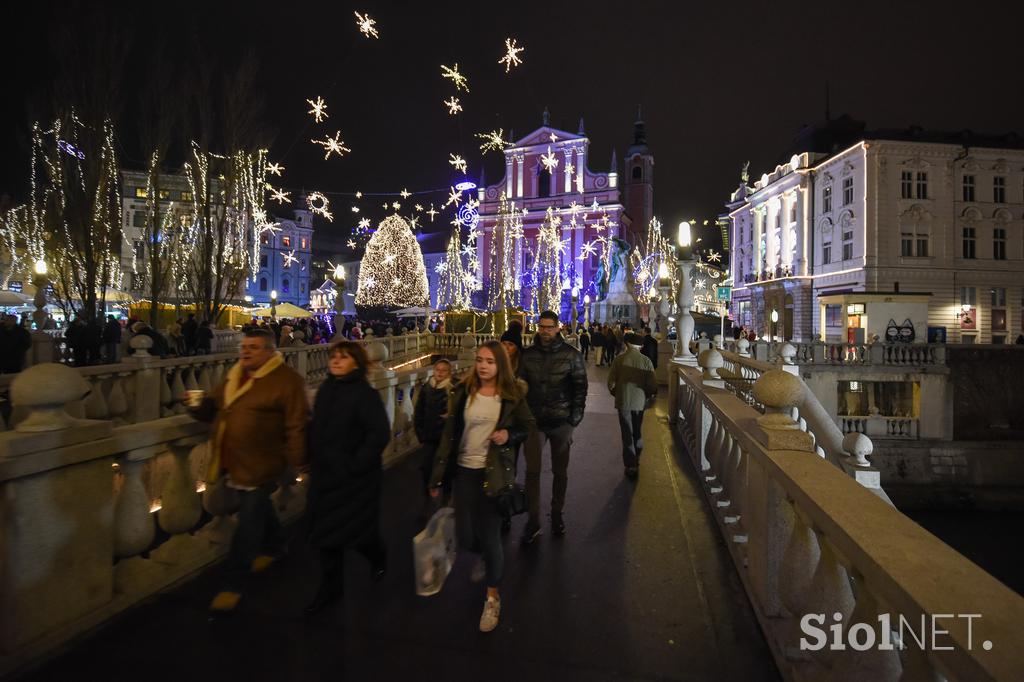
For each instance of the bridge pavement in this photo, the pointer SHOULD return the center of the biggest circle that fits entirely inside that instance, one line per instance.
(640, 588)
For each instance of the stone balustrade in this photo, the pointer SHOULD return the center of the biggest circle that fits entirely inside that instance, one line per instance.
(852, 354)
(806, 539)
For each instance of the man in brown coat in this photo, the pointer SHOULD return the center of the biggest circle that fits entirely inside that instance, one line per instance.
(259, 416)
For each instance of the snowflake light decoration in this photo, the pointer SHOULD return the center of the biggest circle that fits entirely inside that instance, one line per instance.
(397, 206)
(511, 57)
(271, 228)
(365, 24)
(354, 209)
(275, 169)
(332, 145)
(432, 212)
(441, 268)
(280, 196)
(364, 224)
(359, 195)
(419, 208)
(552, 137)
(319, 109)
(700, 284)
(351, 243)
(454, 197)
(316, 202)
(569, 169)
(457, 162)
(493, 140)
(549, 160)
(714, 256)
(289, 258)
(453, 104)
(455, 77)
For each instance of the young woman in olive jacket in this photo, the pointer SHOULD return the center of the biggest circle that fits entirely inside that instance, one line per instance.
(347, 437)
(487, 419)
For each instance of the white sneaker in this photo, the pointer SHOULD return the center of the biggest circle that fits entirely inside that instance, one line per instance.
(489, 618)
(479, 571)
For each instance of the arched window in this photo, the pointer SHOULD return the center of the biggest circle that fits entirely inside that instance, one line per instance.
(285, 285)
(638, 173)
(544, 183)
(263, 283)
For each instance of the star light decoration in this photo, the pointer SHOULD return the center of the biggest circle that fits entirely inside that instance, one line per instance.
(365, 24)
(453, 104)
(280, 196)
(700, 284)
(455, 77)
(319, 109)
(351, 243)
(275, 169)
(404, 194)
(419, 208)
(549, 160)
(454, 197)
(395, 205)
(332, 145)
(432, 212)
(364, 224)
(289, 258)
(511, 57)
(714, 256)
(457, 162)
(493, 141)
(354, 209)
(317, 203)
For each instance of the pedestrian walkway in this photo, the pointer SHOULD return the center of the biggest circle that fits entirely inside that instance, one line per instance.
(640, 588)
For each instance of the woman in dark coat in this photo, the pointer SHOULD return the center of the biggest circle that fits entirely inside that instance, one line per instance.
(347, 436)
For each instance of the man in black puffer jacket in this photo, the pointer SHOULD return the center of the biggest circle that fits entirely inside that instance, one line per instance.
(557, 379)
(428, 416)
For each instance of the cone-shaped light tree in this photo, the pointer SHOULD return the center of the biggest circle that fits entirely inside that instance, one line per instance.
(453, 293)
(392, 273)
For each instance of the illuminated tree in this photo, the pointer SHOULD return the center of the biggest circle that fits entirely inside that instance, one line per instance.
(504, 289)
(452, 294)
(392, 273)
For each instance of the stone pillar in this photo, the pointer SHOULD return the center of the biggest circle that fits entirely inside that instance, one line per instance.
(710, 361)
(520, 160)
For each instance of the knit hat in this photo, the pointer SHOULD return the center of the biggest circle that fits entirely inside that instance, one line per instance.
(513, 336)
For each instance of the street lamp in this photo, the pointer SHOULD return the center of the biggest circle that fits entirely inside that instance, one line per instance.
(775, 322)
(586, 310)
(684, 323)
(339, 280)
(572, 314)
(41, 282)
(273, 304)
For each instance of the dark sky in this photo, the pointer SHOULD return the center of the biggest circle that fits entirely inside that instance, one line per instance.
(720, 82)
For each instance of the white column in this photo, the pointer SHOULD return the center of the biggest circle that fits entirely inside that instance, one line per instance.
(520, 159)
(784, 205)
(802, 225)
(581, 168)
(568, 177)
(508, 175)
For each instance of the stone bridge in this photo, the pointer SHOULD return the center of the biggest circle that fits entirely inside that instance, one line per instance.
(750, 511)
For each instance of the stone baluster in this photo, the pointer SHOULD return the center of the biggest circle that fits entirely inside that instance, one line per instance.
(874, 663)
(117, 401)
(737, 481)
(204, 378)
(178, 390)
(181, 505)
(829, 592)
(818, 352)
(133, 521)
(166, 398)
(189, 376)
(95, 404)
(795, 573)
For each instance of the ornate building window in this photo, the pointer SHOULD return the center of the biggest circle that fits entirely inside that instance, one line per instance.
(968, 188)
(826, 199)
(847, 191)
(999, 189)
(969, 243)
(999, 243)
(638, 173)
(847, 245)
(286, 285)
(826, 253)
(263, 283)
(907, 244)
(263, 260)
(906, 184)
(922, 185)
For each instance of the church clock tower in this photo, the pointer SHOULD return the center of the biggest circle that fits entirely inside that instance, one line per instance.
(638, 181)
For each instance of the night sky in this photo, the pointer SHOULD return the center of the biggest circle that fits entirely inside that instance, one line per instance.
(720, 82)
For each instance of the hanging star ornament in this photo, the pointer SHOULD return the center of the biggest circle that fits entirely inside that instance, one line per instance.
(714, 256)
(453, 105)
(354, 209)
(457, 162)
(366, 25)
(332, 145)
(404, 194)
(289, 258)
(549, 160)
(275, 169)
(397, 206)
(455, 77)
(319, 109)
(316, 202)
(351, 243)
(432, 212)
(493, 140)
(511, 57)
(280, 196)
(364, 224)
(454, 197)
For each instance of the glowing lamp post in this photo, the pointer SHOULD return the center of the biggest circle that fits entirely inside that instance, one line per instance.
(586, 310)
(775, 324)
(40, 281)
(684, 321)
(339, 280)
(273, 304)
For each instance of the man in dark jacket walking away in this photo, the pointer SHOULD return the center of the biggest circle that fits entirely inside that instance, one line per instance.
(557, 380)
(631, 380)
(111, 339)
(14, 343)
(650, 347)
(188, 331)
(428, 416)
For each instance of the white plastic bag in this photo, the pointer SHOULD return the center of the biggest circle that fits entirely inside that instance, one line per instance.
(433, 551)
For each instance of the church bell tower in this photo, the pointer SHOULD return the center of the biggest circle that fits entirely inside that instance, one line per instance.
(638, 181)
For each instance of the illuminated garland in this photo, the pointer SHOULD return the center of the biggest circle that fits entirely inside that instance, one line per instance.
(452, 293)
(505, 289)
(392, 271)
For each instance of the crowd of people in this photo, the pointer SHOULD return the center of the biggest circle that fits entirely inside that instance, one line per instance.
(514, 398)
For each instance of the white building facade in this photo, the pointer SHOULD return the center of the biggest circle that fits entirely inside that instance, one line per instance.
(899, 217)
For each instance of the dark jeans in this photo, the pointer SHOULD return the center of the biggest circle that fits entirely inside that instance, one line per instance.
(561, 440)
(258, 532)
(478, 522)
(631, 424)
(332, 564)
(586, 352)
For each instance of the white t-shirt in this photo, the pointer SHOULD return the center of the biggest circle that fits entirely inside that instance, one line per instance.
(481, 416)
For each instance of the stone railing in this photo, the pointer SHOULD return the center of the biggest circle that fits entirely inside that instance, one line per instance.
(849, 354)
(880, 426)
(809, 543)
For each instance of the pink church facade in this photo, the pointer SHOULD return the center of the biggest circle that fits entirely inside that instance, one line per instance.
(572, 189)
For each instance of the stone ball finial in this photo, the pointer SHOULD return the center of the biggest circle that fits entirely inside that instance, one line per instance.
(45, 389)
(141, 343)
(787, 352)
(717, 340)
(743, 346)
(778, 388)
(377, 352)
(469, 340)
(710, 361)
(858, 446)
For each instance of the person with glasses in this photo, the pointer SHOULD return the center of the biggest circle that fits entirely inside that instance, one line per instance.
(557, 379)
